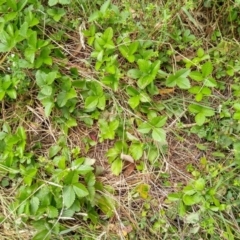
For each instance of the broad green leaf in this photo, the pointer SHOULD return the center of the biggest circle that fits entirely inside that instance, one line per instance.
(197, 76)
(144, 127)
(12, 4)
(12, 93)
(158, 122)
(101, 102)
(158, 134)
(64, 2)
(208, 112)
(56, 13)
(52, 2)
(190, 200)
(29, 175)
(136, 150)
(108, 34)
(32, 40)
(179, 79)
(52, 212)
(29, 54)
(199, 97)
(182, 209)
(42, 234)
(124, 51)
(210, 82)
(183, 83)
(50, 77)
(144, 97)
(23, 30)
(194, 108)
(206, 91)
(105, 6)
(54, 150)
(80, 190)
(62, 99)
(200, 52)
(199, 184)
(94, 16)
(34, 204)
(46, 90)
(145, 80)
(84, 169)
(144, 65)
(207, 69)
(117, 166)
(173, 197)
(2, 94)
(68, 196)
(114, 124)
(134, 73)
(195, 89)
(133, 47)
(134, 101)
(200, 119)
(91, 102)
(48, 108)
(113, 153)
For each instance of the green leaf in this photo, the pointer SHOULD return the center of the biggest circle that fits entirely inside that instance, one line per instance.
(12, 93)
(136, 150)
(134, 101)
(207, 69)
(80, 190)
(144, 127)
(210, 82)
(197, 76)
(56, 13)
(2, 94)
(158, 134)
(48, 108)
(43, 234)
(91, 102)
(29, 55)
(34, 205)
(52, 212)
(12, 4)
(94, 16)
(158, 122)
(134, 73)
(105, 6)
(101, 102)
(144, 65)
(199, 184)
(46, 90)
(32, 40)
(108, 35)
(179, 79)
(52, 2)
(54, 150)
(200, 119)
(68, 196)
(173, 197)
(200, 52)
(65, 2)
(190, 200)
(133, 47)
(117, 166)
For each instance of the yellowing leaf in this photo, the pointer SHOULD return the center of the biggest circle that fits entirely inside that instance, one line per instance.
(143, 190)
(165, 91)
